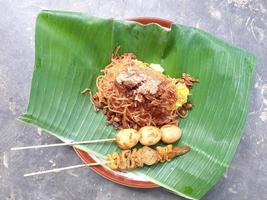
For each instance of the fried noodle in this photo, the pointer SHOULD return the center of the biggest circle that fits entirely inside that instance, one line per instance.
(124, 106)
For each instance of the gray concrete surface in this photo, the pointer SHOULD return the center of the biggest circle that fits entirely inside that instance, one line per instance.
(241, 22)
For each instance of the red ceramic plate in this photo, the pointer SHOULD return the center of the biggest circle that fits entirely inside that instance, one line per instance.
(126, 179)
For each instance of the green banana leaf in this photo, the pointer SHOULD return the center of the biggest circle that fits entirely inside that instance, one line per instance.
(70, 50)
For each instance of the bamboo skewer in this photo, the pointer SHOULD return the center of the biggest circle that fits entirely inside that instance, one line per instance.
(63, 144)
(64, 168)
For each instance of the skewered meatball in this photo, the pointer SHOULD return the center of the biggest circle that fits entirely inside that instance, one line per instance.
(149, 135)
(127, 138)
(170, 133)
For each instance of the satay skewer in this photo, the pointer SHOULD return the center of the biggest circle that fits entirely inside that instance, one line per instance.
(128, 138)
(130, 159)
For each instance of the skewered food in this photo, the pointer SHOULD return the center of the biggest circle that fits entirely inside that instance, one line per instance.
(168, 152)
(148, 155)
(131, 159)
(149, 135)
(170, 133)
(127, 138)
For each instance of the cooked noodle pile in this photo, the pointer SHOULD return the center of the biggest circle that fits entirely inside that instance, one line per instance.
(133, 95)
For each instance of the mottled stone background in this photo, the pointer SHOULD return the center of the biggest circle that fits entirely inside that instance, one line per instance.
(241, 22)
